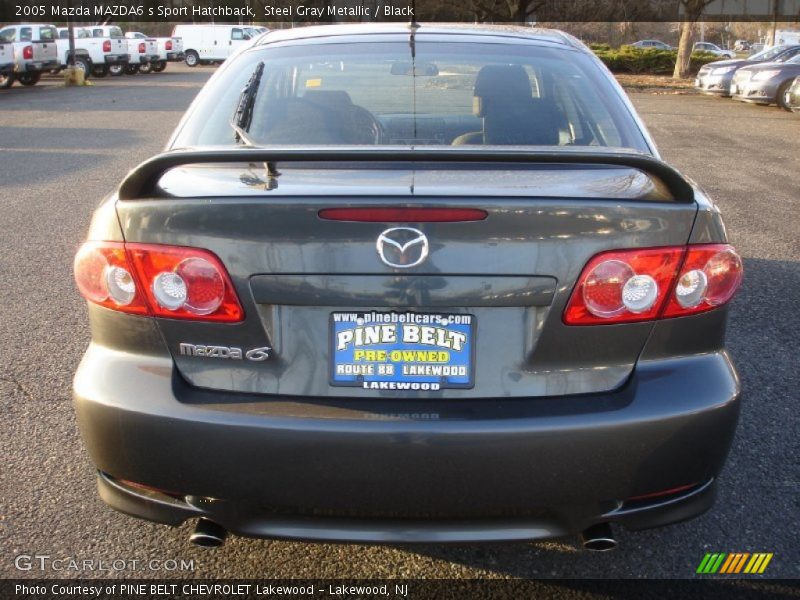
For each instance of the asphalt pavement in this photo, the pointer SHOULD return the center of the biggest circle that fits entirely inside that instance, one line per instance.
(62, 150)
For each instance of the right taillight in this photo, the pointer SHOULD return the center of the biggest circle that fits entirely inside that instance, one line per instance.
(173, 282)
(709, 277)
(624, 286)
(107, 46)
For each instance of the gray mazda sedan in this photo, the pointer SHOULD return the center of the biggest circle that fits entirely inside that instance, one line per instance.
(408, 284)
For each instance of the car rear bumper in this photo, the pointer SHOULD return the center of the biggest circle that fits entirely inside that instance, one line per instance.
(114, 59)
(485, 470)
(40, 65)
(175, 56)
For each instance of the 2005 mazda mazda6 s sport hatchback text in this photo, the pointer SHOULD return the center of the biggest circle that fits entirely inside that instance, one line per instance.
(408, 284)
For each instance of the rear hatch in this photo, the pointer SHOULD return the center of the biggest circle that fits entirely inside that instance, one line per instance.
(44, 50)
(304, 280)
(119, 45)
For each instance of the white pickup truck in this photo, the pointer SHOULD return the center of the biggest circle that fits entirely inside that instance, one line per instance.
(146, 48)
(170, 49)
(34, 51)
(115, 50)
(6, 64)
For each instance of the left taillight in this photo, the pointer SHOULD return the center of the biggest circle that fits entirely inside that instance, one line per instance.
(168, 45)
(27, 52)
(173, 282)
(142, 48)
(104, 276)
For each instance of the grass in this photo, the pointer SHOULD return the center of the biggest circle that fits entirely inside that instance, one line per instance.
(657, 84)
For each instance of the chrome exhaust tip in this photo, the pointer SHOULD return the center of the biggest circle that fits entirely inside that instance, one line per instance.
(208, 534)
(598, 538)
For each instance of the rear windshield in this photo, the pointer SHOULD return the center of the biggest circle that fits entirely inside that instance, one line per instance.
(444, 94)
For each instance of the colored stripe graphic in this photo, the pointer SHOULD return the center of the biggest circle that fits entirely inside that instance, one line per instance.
(735, 562)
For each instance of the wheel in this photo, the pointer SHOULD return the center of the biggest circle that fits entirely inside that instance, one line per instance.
(100, 71)
(192, 58)
(160, 66)
(146, 68)
(29, 78)
(131, 69)
(85, 65)
(782, 99)
(116, 70)
(6, 80)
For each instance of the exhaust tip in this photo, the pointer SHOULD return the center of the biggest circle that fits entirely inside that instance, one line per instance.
(208, 534)
(598, 538)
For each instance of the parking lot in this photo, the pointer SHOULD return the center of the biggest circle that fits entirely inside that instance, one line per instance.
(64, 149)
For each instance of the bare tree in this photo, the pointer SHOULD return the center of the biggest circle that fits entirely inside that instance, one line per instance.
(692, 10)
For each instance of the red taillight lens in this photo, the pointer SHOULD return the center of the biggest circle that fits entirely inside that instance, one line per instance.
(107, 46)
(27, 52)
(710, 276)
(644, 284)
(168, 45)
(623, 286)
(142, 48)
(165, 281)
(104, 276)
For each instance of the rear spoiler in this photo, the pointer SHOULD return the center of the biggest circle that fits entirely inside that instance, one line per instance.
(141, 182)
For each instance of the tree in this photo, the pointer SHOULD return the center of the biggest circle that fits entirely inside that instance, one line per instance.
(692, 10)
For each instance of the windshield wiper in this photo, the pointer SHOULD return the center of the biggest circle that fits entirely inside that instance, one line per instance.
(243, 116)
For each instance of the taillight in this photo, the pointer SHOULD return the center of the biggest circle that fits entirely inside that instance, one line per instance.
(168, 45)
(107, 46)
(27, 52)
(142, 48)
(104, 276)
(709, 278)
(164, 281)
(625, 286)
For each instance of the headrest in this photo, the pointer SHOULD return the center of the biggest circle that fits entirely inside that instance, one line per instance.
(508, 84)
(328, 98)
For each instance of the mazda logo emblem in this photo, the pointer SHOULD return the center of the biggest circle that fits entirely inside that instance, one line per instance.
(402, 247)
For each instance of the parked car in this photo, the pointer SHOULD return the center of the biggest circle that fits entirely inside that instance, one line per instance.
(792, 96)
(6, 64)
(34, 51)
(147, 52)
(338, 317)
(765, 83)
(741, 46)
(114, 49)
(210, 42)
(715, 78)
(713, 49)
(85, 47)
(170, 49)
(655, 44)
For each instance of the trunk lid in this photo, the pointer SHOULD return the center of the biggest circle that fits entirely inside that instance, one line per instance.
(511, 273)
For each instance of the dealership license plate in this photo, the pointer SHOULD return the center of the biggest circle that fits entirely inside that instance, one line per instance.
(402, 350)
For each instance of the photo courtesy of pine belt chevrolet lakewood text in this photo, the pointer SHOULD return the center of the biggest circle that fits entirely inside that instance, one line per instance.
(408, 283)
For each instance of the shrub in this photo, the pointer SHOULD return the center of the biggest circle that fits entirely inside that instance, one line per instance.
(650, 61)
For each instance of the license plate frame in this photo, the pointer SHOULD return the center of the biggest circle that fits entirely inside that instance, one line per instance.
(408, 372)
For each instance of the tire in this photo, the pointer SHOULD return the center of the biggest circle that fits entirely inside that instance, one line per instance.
(192, 58)
(117, 69)
(780, 99)
(6, 80)
(146, 68)
(101, 71)
(85, 65)
(160, 66)
(29, 79)
(131, 69)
